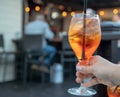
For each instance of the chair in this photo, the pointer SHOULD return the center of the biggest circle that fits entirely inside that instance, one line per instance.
(4, 57)
(32, 45)
(68, 58)
(1, 42)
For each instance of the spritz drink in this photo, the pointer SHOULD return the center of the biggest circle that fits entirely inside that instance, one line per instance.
(110, 92)
(84, 37)
(92, 36)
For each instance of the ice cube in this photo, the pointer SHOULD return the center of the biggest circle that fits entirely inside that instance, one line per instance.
(77, 26)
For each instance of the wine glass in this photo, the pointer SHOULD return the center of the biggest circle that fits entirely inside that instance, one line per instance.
(84, 37)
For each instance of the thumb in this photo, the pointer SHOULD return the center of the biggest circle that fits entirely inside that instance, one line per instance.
(84, 69)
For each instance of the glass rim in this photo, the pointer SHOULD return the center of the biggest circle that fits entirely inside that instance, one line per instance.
(82, 14)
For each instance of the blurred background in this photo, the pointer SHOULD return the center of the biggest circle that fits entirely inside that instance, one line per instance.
(20, 74)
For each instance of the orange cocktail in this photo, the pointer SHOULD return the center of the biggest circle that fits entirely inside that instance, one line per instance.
(92, 37)
(110, 92)
(84, 37)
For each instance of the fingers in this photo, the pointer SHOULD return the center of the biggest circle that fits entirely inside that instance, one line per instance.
(92, 82)
(78, 80)
(83, 76)
(84, 69)
(96, 81)
(80, 76)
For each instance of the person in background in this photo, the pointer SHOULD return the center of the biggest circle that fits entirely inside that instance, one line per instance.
(40, 26)
(116, 18)
(105, 72)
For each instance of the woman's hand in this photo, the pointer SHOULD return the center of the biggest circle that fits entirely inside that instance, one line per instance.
(99, 69)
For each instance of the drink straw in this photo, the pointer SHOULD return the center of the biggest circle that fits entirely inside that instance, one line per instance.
(115, 88)
(85, 6)
(84, 26)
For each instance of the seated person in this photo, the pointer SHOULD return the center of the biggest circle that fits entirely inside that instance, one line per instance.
(39, 26)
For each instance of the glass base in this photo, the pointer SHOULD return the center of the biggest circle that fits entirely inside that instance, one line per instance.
(82, 91)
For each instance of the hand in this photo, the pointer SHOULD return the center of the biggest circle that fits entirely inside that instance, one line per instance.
(98, 67)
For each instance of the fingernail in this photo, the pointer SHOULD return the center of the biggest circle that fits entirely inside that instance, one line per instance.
(78, 68)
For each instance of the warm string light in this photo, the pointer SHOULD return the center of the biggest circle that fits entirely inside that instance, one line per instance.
(115, 11)
(72, 13)
(37, 8)
(101, 13)
(27, 9)
(64, 13)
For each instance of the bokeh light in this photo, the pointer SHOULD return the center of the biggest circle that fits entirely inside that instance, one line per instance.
(101, 13)
(64, 13)
(37, 8)
(115, 11)
(72, 13)
(27, 9)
